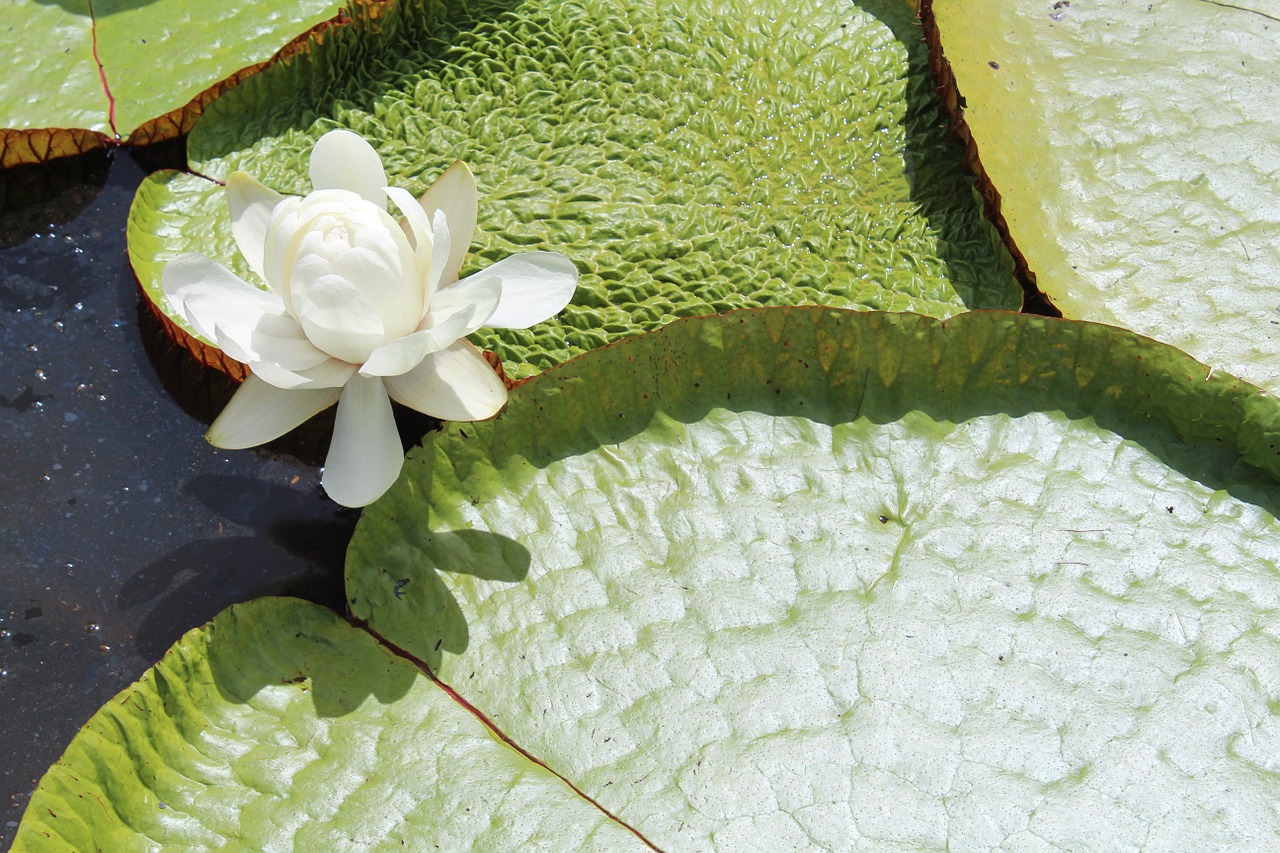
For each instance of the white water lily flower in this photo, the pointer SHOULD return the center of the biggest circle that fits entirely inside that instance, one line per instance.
(358, 306)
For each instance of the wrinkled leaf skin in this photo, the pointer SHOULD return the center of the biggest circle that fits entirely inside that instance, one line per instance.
(645, 143)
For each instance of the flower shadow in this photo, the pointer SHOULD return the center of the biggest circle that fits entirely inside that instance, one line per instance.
(405, 593)
(294, 547)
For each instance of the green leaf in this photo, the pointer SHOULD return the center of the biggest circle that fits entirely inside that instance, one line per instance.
(1134, 147)
(825, 577)
(833, 579)
(279, 726)
(157, 57)
(690, 159)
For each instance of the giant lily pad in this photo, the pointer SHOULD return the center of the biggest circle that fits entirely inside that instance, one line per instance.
(848, 581)
(83, 74)
(833, 579)
(690, 159)
(279, 726)
(1134, 147)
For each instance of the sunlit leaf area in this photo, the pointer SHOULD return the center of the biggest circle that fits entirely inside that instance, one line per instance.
(728, 425)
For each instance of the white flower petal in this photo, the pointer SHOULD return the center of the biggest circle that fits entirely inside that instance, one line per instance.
(209, 296)
(332, 373)
(404, 354)
(440, 256)
(259, 412)
(454, 192)
(276, 339)
(280, 233)
(365, 457)
(343, 160)
(415, 220)
(251, 206)
(455, 384)
(480, 292)
(337, 317)
(535, 287)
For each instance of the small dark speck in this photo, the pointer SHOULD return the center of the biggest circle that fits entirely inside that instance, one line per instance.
(1168, 509)
(1001, 657)
(994, 64)
(884, 519)
(400, 585)
(438, 643)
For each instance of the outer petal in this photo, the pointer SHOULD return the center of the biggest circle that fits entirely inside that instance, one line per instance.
(481, 293)
(535, 287)
(404, 354)
(454, 192)
(275, 339)
(210, 296)
(251, 206)
(343, 160)
(259, 412)
(455, 384)
(365, 457)
(332, 373)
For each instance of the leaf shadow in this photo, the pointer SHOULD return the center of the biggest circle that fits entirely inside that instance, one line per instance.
(100, 9)
(306, 654)
(407, 582)
(941, 184)
(883, 366)
(294, 548)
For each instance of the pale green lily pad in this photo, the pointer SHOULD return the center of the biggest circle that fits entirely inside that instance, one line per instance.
(1135, 149)
(278, 726)
(862, 581)
(690, 159)
(156, 57)
(838, 580)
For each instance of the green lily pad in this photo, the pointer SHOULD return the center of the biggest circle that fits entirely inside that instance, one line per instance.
(279, 726)
(1134, 147)
(849, 580)
(690, 159)
(83, 74)
(834, 579)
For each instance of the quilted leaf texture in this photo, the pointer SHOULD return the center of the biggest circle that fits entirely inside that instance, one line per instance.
(689, 158)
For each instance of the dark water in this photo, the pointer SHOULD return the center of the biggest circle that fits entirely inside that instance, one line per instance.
(122, 528)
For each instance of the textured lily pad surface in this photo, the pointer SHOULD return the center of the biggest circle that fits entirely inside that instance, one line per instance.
(862, 582)
(841, 580)
(278, 726)
(1135, 148)
(689, 158)
(155, 57)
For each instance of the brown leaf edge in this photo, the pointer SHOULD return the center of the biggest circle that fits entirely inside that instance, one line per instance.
(178, 122)
(1034, 301)
(41, 145)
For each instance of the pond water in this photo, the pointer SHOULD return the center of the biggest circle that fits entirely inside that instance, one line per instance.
(123, 528)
